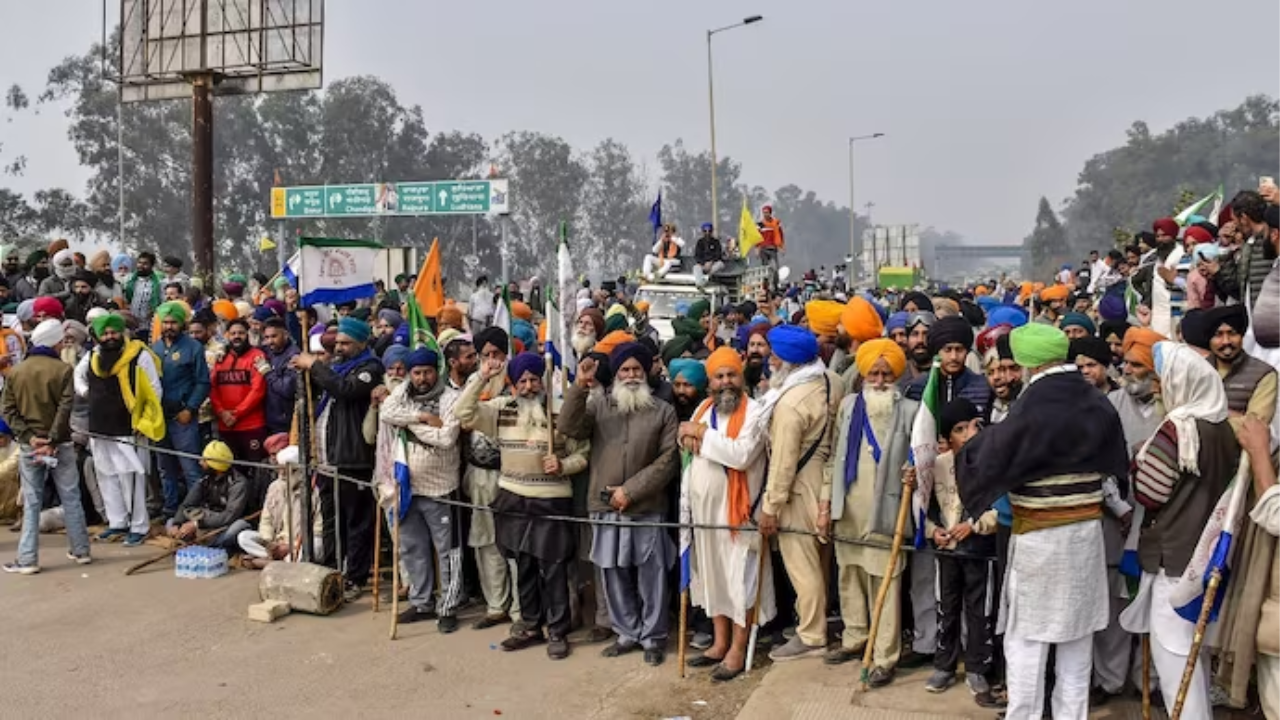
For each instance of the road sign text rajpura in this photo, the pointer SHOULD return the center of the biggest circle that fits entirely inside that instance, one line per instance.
(444, 197)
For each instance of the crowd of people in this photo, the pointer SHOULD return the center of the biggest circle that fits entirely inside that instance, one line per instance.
(1066, 443)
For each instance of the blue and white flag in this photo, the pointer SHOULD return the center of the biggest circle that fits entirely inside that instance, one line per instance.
(1213, 551)
(686, 522)
(401, 473)
(655, 215)
(331, 270)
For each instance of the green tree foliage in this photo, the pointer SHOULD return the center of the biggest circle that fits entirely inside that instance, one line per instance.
(1046, 245)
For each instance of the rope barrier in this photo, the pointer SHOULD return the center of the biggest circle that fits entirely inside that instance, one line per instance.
(331, 471)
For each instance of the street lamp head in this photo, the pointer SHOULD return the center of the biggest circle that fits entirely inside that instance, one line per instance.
(752, 19)
(876, 135)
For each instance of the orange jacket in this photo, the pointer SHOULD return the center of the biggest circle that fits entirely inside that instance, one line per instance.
(239, 386)
(771, 233)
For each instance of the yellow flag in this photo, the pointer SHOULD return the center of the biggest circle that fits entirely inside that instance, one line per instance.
(748, 233)
(266, 244)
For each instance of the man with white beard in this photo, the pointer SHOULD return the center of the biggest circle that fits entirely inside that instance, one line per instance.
(587, 329)
(873, 440)
(633, 458)
(727, 440)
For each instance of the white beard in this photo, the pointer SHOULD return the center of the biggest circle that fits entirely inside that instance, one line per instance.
(780, 376)
(631, 396)
(582, 342)
(727, 401)
(879, 404)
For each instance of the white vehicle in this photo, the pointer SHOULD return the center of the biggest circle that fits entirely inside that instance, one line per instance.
(670, 300)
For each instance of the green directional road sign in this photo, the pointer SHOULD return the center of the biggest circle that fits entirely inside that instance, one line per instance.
(444, 197)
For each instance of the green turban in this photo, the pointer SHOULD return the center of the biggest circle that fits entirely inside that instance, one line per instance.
(110, 321)
(617, 321)
(35, 257)
(172, 310)
(698, 308)
(238, 278)
(281, 283)
(675, 347)
(687, 326)
(1037, 344)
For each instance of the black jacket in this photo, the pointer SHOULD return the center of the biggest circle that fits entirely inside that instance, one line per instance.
(349, 396)
(708, 249)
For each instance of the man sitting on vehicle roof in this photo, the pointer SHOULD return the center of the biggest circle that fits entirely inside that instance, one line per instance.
(666, 254)
(707, 254)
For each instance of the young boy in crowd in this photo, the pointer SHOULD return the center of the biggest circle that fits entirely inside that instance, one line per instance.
(964, 545)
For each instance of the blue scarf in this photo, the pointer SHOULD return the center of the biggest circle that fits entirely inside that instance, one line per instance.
(859, 427)
(342, 369)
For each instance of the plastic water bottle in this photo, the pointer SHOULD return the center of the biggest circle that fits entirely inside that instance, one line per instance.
(178, 559)
(220, 562)
(200, 563)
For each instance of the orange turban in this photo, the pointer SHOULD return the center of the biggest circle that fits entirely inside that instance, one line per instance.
(607, 343)
(1025, 291)
(860, 320)
(521, 310)
(542, 332)
(980, 291)
(823, 316)
(870, 352)
(451, 315)
(1140, 342)
(225, 310)
(723, 357)
(1056, 292)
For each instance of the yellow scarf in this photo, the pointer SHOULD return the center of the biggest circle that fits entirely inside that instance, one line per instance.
(144, 406)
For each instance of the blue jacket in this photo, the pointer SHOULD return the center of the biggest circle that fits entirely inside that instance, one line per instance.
(968, 385)
(184, 375)
(282, 387)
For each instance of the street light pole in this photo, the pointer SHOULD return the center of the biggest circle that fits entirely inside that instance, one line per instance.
(711, 104)
(853, 233)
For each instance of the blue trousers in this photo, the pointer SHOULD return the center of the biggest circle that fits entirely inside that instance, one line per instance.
(179, 475)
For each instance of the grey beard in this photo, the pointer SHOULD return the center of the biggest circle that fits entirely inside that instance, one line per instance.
(632, 396)
(727, 401)
(582, 342)
(780, 376)
(1140, 389)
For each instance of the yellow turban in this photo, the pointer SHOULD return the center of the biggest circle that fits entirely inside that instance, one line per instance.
(1057, 292)
(872, 351)
(723, 357)
(823, 316)
(861, 321)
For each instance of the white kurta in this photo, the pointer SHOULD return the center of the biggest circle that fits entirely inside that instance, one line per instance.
(724, 564)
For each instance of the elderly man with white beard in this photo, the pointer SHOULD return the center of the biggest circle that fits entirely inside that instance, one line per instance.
(873, 440)
(535, 481)
(803, 397)
(587, 329)
(726, 438)
(633, 458)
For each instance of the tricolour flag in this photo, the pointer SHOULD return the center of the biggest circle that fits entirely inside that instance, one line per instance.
(1184, 218)
(566, 299)
(748, 232)
(924, 448)
(1213, 551)
(429, 289)
(332, 270)
(686, 522)
(401, 473)
(502, 315)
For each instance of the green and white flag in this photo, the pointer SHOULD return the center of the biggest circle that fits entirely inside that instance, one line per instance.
(502, 315)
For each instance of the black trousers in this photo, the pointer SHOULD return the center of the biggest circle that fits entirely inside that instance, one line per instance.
(356, 525)
(544, 594)
(964, 586)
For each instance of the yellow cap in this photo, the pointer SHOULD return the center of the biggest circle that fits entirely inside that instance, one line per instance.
(217, 455)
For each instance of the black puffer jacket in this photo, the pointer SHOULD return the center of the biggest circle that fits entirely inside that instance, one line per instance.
(349, 395)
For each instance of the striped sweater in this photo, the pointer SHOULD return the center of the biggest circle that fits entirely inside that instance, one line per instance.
(1155, 475)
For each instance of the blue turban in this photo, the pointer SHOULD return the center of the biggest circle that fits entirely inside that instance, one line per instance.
(421, 356)
(793, 344)
(523, 331)
(391, 317)
(5, 429)
(706, 227)
(627, 350)
(395, 354)
(1011, 315)
(987, 303)
(263, 313)
(357, 330)
(121, 262)
(896, 321)
(1112, 308)
(693, 371)
(1078, 320)
(525, 362)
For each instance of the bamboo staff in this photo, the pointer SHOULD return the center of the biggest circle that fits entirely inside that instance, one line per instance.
(395, 576)
(753, 618)
(1197, 640)
(904, 506)
(199, 540)
(1146, 677)
(682, 649)
(377, 559)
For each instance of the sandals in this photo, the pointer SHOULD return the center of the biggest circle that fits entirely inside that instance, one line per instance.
(703, 661)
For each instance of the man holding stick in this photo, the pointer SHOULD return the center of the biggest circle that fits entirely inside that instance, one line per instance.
(727, 471)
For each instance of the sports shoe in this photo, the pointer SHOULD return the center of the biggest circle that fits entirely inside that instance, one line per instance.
(19, 569)
(110, 534)
(701, 640)
(351, 592)
(558, 648)
(940, 680)
(134, 539)
(976, 683)
(411, 615)
(84, 559)
(795, 649)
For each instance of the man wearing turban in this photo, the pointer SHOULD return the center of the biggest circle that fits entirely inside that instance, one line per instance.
(804, 408)
(347, 384)
(1051, 456)
(1077, 325)
(949, 341)
(824, 318)
(422, 409)
(1092, 356)
(895, 328)
(873, 439)
(756, 370)
(587, 329)
(27, 285)
(1156, 282)
(1053, 301)
(628, 487)
(536, 480)
(186, 381)
(726, 438)
(1250, 382)
(688, 385)
(121, 381)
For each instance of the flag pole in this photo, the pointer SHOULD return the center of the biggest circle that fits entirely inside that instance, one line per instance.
(1146, 676)
(754, 619)
(904, 506)
(682, 634)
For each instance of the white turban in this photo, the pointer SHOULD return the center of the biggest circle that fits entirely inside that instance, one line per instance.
(47, 334)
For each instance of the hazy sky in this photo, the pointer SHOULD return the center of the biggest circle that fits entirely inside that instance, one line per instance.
(986, 104)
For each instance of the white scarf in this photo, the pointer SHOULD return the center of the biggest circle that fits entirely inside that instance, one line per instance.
(1191, 390)
(800, 375)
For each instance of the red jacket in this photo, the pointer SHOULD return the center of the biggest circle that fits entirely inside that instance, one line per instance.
(239, 386)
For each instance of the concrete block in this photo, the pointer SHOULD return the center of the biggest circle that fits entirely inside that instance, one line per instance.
(269, 611)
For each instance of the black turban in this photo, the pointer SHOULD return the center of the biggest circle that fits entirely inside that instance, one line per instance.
(494, 336)
(921, 300)
(949, 330)
(955, 412)
(1196, 330)
(1090, 347)
(1232, 315)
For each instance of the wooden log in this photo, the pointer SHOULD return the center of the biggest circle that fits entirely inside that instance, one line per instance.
(307, 587)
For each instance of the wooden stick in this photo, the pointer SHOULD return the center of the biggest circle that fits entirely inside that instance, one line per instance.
(200, 540)
(395, 576)
(377, 556)
(1146, 677)
(1197, 640)
(904, 507)
(683, 647)
(753, 618)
